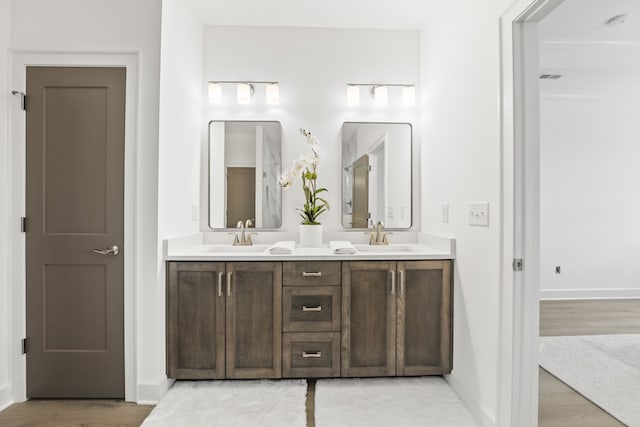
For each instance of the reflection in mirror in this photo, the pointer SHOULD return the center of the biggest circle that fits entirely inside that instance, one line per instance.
(244, 168)
(376, 175)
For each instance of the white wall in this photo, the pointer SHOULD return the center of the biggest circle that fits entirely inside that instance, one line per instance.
(460, 79)
(589, 198)
(116, 26)
(5, 101)
(313, 67)
(180, 120)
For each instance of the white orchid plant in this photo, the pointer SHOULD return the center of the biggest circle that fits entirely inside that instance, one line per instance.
(306, 167)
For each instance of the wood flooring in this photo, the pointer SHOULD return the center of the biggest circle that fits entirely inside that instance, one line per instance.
(74, 412)
(560, 405)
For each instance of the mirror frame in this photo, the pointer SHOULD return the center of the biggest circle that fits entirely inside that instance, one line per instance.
(209, 174)
(342, 195)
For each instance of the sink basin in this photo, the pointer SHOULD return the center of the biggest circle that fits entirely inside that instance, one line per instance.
(383, 249)
(230, 249)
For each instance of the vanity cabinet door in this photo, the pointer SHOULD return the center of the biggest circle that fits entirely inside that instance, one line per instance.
(195, 320)
(368, 319)
(424, 318)
(254, 319)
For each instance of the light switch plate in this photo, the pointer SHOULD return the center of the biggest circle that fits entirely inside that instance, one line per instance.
(445, 213)
(479, 214)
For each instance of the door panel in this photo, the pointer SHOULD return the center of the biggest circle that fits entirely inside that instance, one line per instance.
(75, 203)
(368, 319)
(254, 320)
(360, 212)
(424, 318)
(241, 195)
(195, 313)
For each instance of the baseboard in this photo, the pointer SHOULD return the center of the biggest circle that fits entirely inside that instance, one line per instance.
(5, 396)
(555, 294)
(482, 415)
(150, 394)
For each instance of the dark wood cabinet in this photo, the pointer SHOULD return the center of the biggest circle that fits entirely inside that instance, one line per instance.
(423, 316)
(331, 318)
(224, 320)
(195, 320)
(396, 318)
(254, 320)
(368, 319)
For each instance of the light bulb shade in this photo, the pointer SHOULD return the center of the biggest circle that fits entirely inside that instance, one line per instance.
(273, 94)
(380, 95)
(353, 96)
(244, 93)
(215, 93)
(408, 96)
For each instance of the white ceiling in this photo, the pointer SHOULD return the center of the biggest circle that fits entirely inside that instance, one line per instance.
(584, 20)
(594, 59)
(372, 14)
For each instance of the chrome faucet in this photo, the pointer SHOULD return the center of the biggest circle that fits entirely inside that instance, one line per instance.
(243, 238)
(379, 237)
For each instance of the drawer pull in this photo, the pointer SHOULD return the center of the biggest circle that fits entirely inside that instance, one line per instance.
(311, 273)
(307, 355)
(317, 308)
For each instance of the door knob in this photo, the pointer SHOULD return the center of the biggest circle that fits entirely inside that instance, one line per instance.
(113, 251)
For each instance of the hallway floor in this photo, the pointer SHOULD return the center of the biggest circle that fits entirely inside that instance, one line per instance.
(560, 405)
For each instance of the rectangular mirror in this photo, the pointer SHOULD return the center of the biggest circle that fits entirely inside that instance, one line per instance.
(376, 174)
(244, 168)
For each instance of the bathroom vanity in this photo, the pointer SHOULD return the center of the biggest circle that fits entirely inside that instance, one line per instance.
(250, 314)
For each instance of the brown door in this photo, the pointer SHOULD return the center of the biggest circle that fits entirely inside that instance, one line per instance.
(360, 212)
(195, 326)
(241, 195)
(368, 319)
(424, 318)
(74, 203)
(254, 320)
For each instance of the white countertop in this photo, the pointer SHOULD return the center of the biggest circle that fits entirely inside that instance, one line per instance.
(394, 251)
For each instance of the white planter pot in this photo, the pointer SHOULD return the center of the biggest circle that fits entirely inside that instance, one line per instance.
(311, 235)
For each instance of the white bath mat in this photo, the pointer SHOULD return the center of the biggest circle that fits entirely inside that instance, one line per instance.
(603, 368)
(232, 404)
(385, 402)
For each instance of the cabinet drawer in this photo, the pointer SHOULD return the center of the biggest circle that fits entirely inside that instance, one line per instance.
(308, 355)
(311, 309)
(311, 273)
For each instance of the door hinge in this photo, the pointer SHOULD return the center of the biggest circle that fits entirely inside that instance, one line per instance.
(369, 168)
(23, 224)
(25, 345)
(23, 99)
(518, 264)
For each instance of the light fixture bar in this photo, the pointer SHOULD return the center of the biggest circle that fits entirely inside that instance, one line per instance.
(242, 81)
(383, 84)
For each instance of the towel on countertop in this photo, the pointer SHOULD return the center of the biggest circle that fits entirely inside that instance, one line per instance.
(342, 247)
(283, 247)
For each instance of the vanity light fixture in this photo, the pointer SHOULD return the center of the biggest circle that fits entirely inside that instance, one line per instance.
(272, 92)
(215, 93)
(408, 96)
(353, 95)
(244, 91)
(380, 93)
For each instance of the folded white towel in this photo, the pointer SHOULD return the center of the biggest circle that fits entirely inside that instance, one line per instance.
(342, 247)
(284, 247)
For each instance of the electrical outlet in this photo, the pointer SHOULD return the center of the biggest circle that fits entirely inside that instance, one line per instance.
(479, 214)
(195, 212)
(445, 213)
